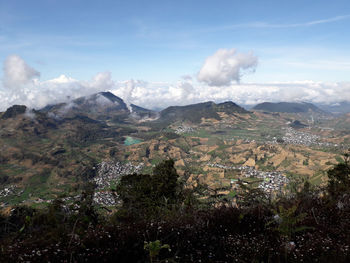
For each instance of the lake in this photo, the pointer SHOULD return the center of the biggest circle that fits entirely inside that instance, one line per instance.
(130, 141)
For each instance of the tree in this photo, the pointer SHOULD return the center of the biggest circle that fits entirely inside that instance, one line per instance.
(250, 196)
(339, 177)
(165, 182)
(87, 212)
(146, 195)
(135, 191)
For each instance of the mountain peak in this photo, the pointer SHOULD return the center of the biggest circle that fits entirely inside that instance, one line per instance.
(99, 106)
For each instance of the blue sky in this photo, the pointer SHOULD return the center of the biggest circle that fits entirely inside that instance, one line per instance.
(160, 41)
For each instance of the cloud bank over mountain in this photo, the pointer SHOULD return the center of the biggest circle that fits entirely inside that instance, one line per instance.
(156, 95)
(21, 85)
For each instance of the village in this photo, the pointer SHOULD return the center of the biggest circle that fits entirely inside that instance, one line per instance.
(271, 181)
(183, 129)
(109, 173)
(298, 137)
(295, 137)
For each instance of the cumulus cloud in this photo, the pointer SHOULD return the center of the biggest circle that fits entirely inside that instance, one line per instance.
(226, 66)
(17, 72)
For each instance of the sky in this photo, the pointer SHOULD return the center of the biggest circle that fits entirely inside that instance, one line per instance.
(161, 53)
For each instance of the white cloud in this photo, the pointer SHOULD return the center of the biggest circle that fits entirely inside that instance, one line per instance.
(101, 81)
(62, 79)
(226, 66)
(17, 72)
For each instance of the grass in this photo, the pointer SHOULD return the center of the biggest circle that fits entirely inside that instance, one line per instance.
(12, 169)
(339, 159)
(200, 133)
(266, 168)
(232, 174)
(38, 186)
(232, 194)
(147, 170)
(39, 178)
(155, 161)
(217, 153)
(285, 163)
(29, 193)
(181, 143)
(215, 141)
(316, 179)
(253, 182)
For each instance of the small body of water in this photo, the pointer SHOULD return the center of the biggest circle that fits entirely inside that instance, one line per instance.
(130, 141)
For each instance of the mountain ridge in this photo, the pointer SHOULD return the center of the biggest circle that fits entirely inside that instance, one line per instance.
(195, 112)
(288, 107)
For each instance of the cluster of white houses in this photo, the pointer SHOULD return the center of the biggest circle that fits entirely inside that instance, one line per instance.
(271, 181)
(110, 172)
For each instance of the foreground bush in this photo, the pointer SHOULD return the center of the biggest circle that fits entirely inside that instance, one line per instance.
(223, 234)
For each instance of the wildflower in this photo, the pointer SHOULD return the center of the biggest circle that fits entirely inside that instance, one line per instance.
(290, 246)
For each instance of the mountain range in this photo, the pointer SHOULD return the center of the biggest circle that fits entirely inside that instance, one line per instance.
(105, 106)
